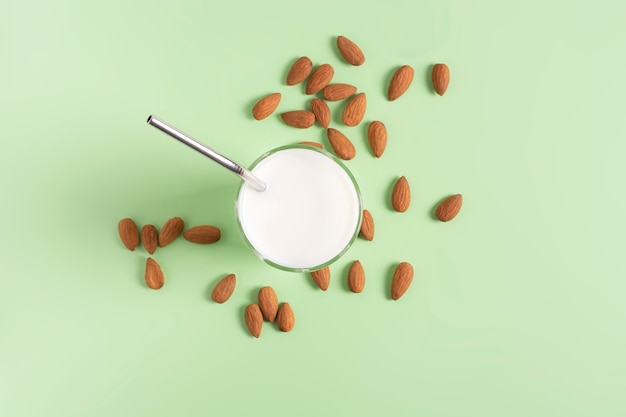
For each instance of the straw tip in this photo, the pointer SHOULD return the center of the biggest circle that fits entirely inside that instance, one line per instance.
(149, 119)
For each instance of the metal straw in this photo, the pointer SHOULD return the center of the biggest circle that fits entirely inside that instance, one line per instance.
(246, 175)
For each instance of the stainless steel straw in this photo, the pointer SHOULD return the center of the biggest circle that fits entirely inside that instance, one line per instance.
(246, 175)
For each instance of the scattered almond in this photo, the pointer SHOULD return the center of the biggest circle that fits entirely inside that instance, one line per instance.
(336, 92)
(320, 78)
(401, 281)
(377, 138)
(449, 208)
(224, 288)
(170, 231)
(128, 232)
(321, 111)
(367, 226)
(400, 82)
(299, 71)
(321, 278)
(356, 277)
(268, 303)
(341, 144)
(301, 119)
(314, 144)
(355, 110)
(401, 195)
(266, 106)
(150, 238)
(254, 320)
(204, 234)
(350, 51)
(285, 320)
(154, 275)
(441, 78)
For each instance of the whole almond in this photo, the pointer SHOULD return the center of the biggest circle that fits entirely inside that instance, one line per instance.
(254, 320)
(401, 195)
(401, 281)
(400, 82)
(441, 78)
(320, 78)
(266, 106)
(355, 110)
(129, 235)
(301, 119)
(154, 275)
(377, 137)
(350, 51)
(299, 71)
(268, 303)
(314, 144)
(170, 231)
(150, 238)
(321, 278)
(224, 288)
(449, 208)
(341, 144)
(285, 320)
(321, 111)
(336, 92)
(356, 277)
(367, 226)
(204, 234)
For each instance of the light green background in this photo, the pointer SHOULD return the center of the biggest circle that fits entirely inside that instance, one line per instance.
(517, 306)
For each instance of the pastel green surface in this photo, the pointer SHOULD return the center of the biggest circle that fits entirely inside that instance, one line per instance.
(517, 306)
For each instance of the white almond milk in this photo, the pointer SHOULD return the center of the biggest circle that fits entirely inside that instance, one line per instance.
(309, 214)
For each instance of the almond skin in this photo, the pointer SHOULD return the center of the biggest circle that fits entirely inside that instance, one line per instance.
(356, 277)
(314, 144)
(321, 111)
(127, 229)
(355, 110)
(400, 82)
(154, 275)
(336, 92)
(441, 78)
(285, 320)
(268, 303)
(254, 320)
(402, 278)
(204, 234)
(401, 195)
(266, 106)
(367, 226)
(350, 51)
(320, 78)
(224, 288)
(341, 144)
(301, 119)
(299, 71)
(150, 238)
(321, 278)
(170, 231)
(377, 137)
(449, 208)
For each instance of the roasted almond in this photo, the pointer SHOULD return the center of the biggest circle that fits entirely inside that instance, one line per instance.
(268, 303)
(401, 195)
(341, 144)
(154, 275)
(299, 118)
(315, 144)
(449, 208)
(170, 231)
(127, 229)
(285, 320)
(266, 106)
(321, 111)
(320, 78)
(355, 110)
(350, 51)
(203, 234)
(254, 320)
(299, 71)
(377, 137)
(356, 277)
(441, 78)
(400, 82)
(367, 226)
(336, 92)
(150, 238)
(321, 278)
(224, 288)
(402, 278)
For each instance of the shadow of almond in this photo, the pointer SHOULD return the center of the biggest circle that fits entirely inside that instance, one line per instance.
(428, 79)
(388, 280)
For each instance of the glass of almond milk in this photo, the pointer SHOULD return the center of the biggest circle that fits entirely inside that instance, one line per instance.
(310, 213)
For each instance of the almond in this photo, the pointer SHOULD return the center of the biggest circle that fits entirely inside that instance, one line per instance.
(254, 320)
(266, 106)
(268, 303)
(341, 144)
(401, 195)
(350, 51)
(355, 110)
(356, 277)
(367, 226)
(320, 78)
(128, 232)
(203, 235)
(441, 78)
(336, 92)
(154, 275)
(299, 71)
(400, 82)
(321, 111)
(150, 238)
(449, 208)
(314, 144)
(224, 288)
(377, 137)
(285, 320)
(321, 278)
(401, 281)
(170, 231)
(299, 118)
